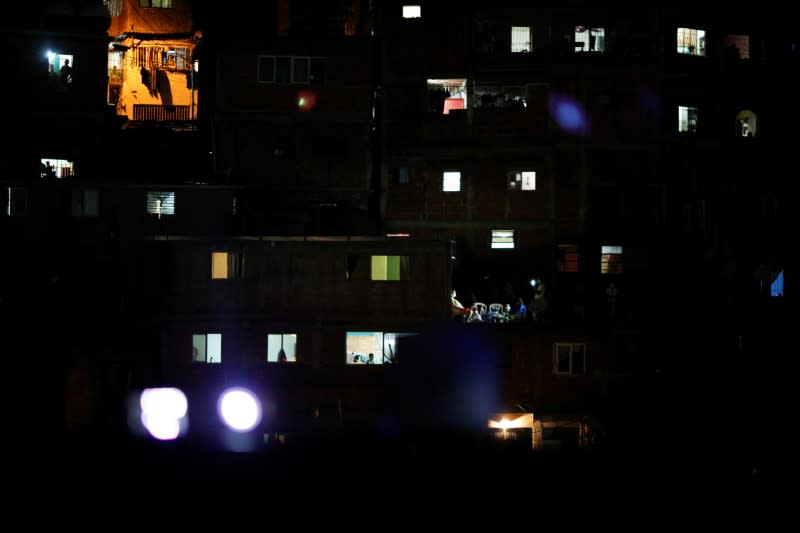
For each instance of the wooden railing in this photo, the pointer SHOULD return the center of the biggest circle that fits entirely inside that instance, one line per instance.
(161, 112)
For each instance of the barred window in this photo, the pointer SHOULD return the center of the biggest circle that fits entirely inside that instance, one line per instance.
(503, 239)
(161, 203)
(164, 4)
(520, 39)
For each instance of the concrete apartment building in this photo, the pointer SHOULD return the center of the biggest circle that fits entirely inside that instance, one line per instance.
(341, 169)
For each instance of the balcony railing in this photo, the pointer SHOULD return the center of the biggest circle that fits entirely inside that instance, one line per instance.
(161, 112)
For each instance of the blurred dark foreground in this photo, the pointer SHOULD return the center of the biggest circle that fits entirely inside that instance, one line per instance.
(351, 478)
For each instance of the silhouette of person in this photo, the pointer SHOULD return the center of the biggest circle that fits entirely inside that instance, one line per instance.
(66, 73)
(282, 356)
(48, 171)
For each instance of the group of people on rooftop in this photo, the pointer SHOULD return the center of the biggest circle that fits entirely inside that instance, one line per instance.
(479, 312)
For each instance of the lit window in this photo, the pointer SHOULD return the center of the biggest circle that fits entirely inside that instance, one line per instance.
(524, 180)
(114, 7)
(412, 12)
(160, 203)
(569, 358)
(691, 42)
(389, 267)
(207, 348)
(590, 39)
(56, 168)
(383, 347)
(503, 239)
(445, 95)
(746, 124)
(282, 342)
(687, 119)
(56, 62)
(451, 181)
(611, 260)
(776, 288)
(16, 200)
(225, 265)
(520, 39)
(84, 202)
(165, 4)
(568, 258)
(402, 175)
(738, 45)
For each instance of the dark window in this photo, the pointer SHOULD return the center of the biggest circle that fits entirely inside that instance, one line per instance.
(266, 69)
(300, 74)
(317, 71)
(402, 175)
(283, 70)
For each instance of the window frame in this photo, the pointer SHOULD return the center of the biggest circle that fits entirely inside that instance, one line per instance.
(590, 30)
(289, 359)
(403, 267)
(11, 193)
(527, 29)
(232, 271)
(685, 36)
(80, 195)
(518, 176)
(205, 360)
(408, 12)
(149, 4)
(312, 66)
(689, 110)
(606, 251)
(499, 239)
(170, 208)
(566, 251)
(571, 371)
(451, 173)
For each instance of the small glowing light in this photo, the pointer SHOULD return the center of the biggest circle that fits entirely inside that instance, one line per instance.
(306, 100)
(398, 235)
(532, 282)
(50, 56)
(239, 409)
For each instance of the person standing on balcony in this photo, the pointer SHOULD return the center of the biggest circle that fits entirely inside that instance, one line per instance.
(66, 73)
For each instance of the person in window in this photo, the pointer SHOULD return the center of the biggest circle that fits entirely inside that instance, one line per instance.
(48, 171)
(371, 359)
(66, 73)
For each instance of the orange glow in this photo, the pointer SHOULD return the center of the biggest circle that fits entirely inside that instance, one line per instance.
(520, 421)
(219, 265)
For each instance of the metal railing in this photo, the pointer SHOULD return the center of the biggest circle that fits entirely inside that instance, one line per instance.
(161, 112)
